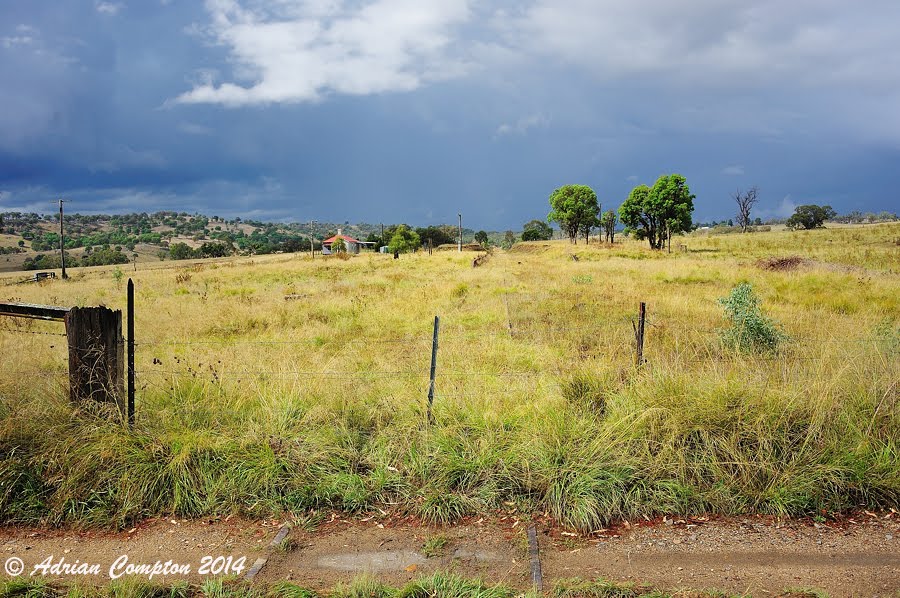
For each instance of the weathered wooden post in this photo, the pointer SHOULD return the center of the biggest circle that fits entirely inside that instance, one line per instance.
(96, 355)
(639, 334)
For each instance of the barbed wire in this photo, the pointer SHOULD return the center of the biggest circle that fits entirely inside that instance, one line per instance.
(36, 332)
(446, 337)
(308, 342)
(285, 375)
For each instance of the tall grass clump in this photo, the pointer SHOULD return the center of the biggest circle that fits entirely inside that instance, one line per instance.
(750, 330)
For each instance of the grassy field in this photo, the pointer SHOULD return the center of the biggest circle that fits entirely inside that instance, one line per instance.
(286, 384)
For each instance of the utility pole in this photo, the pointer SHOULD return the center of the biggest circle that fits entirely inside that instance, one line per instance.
(460, 232)
(62, 250)
(382, 237)
(312, 247)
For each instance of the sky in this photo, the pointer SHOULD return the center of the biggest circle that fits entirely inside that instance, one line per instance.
(417, 110)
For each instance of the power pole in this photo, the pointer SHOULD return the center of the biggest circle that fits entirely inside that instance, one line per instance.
(62, 250)
(460, 232)
(382, 236)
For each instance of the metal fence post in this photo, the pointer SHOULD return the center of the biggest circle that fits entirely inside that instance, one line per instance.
(130, 352)
(434, 349)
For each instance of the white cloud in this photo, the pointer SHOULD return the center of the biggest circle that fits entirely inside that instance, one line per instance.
(16, 40)
(521, 126)
(107, 8)
(734, 170)
(300, 50)
(25, 35)
(784, 209)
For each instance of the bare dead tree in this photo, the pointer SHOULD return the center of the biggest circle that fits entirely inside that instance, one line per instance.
(745, 202)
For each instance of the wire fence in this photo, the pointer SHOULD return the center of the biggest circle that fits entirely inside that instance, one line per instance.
(508, 356)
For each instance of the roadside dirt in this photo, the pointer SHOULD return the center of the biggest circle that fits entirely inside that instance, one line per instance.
(857, 556)
(179, 541)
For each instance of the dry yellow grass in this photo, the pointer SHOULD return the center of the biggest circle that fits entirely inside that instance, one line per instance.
(251, 401)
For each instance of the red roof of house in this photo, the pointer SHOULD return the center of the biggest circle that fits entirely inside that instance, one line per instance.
(344, 237)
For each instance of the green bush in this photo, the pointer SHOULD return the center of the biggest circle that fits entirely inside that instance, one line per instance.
(750, 331)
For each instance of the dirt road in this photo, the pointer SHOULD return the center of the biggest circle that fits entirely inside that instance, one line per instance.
(761, 556)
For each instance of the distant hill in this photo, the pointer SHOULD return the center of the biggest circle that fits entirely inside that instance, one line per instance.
(30, 241)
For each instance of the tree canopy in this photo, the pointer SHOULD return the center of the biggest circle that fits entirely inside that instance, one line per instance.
(575, 208)
(438, 235)
(404, 240)
(536, 230)
(655, 213)
(810, 216)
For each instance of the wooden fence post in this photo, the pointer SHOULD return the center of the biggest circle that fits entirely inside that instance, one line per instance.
(639, 334)
(96, 355)
(434, 349)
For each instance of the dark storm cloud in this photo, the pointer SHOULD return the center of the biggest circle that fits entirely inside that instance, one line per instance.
(414, 110)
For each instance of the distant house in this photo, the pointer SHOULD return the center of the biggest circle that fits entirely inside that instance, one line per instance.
(353, 245)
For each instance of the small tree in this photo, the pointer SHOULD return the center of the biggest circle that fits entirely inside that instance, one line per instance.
(575, 208)
(338, 246)
(536, 230)
(608, 222)
(658, 212)
(509, 239)
(590, 222)
(810, 216)
(481, 237)
(745, 202)
(404, 240)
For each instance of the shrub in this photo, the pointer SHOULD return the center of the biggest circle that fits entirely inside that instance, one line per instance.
(750, 331)
(338, 246)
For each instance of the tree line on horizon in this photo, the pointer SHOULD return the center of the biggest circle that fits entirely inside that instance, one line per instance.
(653, 213)
(659, 212)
